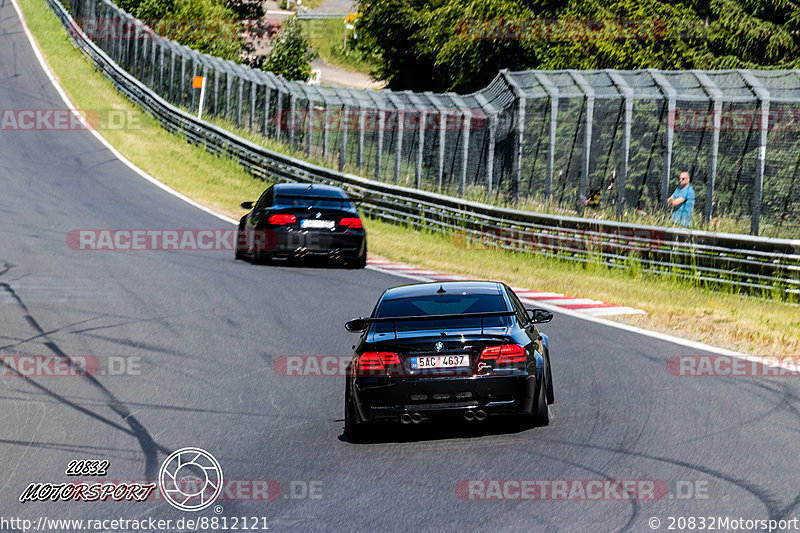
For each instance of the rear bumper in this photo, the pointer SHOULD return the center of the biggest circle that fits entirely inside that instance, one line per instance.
(380, 399)
(301, 243)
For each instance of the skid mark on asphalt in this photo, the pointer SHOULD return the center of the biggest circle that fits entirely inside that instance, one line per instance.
(134, 427)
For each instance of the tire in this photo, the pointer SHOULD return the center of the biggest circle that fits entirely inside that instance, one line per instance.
(353, 429)
(542, 416)
(550, 396)
(238, 253)
(261, 258)
(358, 262)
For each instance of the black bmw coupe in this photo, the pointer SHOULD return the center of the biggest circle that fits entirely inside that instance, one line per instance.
(296, 221)
(464, 349)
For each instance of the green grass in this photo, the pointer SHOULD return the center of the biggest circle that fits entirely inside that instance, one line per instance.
(746, 323)
(327, 40)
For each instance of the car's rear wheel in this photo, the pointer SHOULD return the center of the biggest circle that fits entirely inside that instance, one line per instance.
(550, 395)
(353, 429)
(542, 416)
(241, 243)
(357, 262)
(261, 258)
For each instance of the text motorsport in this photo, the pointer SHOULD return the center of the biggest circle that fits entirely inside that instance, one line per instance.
(87, 492)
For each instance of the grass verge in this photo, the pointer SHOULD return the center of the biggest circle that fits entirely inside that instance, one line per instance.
(745, 323)
(327, 40)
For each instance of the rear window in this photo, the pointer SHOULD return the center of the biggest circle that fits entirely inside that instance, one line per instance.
(314, 202)
(436, 304)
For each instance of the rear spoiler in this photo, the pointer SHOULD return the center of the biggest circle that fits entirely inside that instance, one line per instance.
(360, 324)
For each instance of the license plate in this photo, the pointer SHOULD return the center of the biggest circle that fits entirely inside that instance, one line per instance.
(318, 224)
(439, 361)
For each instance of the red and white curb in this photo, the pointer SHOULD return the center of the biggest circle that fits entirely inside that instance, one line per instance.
(573, 303)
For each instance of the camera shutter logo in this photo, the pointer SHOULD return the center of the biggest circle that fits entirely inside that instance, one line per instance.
(190, 479)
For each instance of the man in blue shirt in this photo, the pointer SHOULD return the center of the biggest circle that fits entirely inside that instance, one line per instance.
(683, 200)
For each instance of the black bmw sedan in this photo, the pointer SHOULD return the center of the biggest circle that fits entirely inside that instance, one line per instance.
(295, 221)
(464, 349)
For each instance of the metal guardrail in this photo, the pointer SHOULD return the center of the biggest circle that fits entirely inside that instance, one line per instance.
(745, 261)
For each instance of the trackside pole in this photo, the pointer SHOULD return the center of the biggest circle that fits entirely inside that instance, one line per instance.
(199, 82)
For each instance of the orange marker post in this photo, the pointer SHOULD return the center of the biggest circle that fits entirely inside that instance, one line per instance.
(199, 82)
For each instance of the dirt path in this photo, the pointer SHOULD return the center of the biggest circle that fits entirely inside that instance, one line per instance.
(332, 75)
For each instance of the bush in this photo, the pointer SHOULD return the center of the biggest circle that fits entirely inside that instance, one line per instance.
(290, 56)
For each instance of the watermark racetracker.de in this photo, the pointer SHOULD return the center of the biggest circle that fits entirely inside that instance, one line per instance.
(581, 490)
(730, 366)
(575, 29)
(26, 120)
(47, 366)
(208, 240)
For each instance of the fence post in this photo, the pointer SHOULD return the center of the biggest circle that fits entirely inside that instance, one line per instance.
(195, 72)
(344, 126)
(552, 92)
(228, 89)
(758, 183)
(669, 93)
(281, 114)
(381, 127)
(400, 121)
(267, 94)
(153, 54)
(181, 85)
(290, 122)
(520, 132)
(239, 101)
(442, 125)
(466, 124)
(716, 98)
(622, 177)
(491, 113)
(117, 55)
(588, 91)
(253, 89)
(423, 119)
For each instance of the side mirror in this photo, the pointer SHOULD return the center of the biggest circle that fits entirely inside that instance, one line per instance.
(539, 316)
(247, 205)
(356, 325)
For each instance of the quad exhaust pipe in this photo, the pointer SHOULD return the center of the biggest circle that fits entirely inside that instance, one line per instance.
(405, 418)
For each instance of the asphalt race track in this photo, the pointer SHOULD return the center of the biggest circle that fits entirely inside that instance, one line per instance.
(206, 330)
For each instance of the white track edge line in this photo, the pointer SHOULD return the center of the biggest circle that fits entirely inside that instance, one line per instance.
(610, 323)
(160, 185)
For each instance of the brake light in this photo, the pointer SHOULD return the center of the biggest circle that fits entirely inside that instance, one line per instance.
(375, 363)
(507, 353)
(352, 223)
(281, 220)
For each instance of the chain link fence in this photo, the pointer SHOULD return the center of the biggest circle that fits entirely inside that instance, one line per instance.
(608, 142)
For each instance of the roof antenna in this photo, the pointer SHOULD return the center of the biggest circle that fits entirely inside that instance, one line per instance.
(441, 290)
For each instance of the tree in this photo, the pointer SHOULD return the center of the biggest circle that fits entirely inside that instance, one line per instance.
(290, 56)
(246, 9)
(460, 45)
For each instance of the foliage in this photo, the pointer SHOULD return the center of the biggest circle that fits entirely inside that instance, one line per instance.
(246, 9)
(290, 56)
(461, 44)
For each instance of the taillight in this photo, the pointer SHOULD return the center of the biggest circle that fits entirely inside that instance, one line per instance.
(507, 353)
(352, 223)
(375, 363)
(281, 220)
